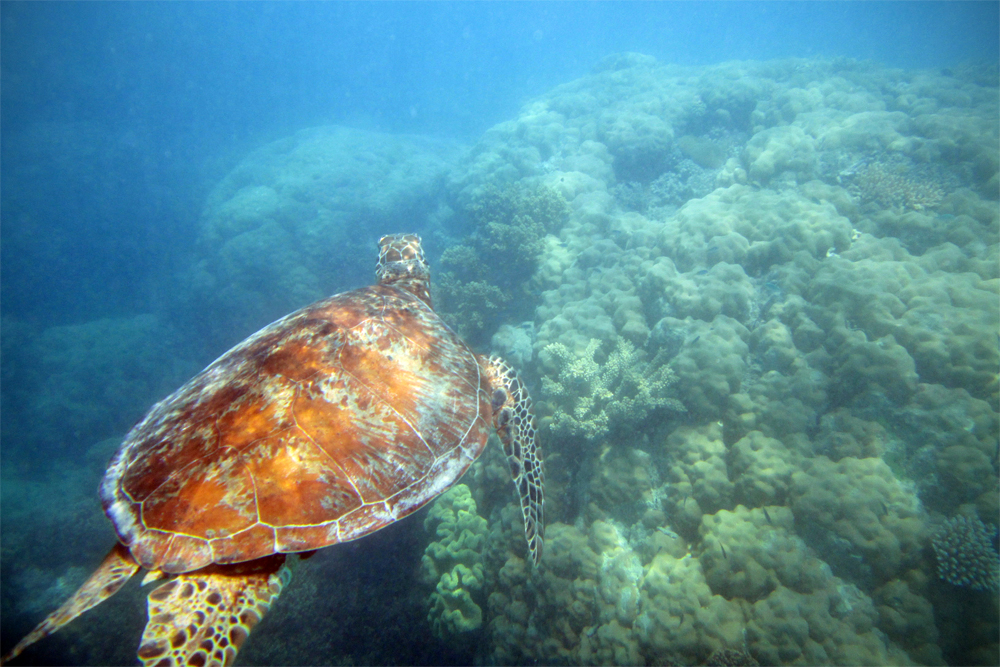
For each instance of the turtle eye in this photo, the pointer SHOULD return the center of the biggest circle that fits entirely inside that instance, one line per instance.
(499, 398)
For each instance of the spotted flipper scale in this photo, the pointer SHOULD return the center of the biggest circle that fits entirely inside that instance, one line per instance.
(202, 618)
(515, 424)
(117, 568)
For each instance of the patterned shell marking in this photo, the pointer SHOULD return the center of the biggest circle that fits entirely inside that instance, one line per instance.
(325, 426)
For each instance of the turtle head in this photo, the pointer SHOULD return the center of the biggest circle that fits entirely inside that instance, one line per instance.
(401, 264)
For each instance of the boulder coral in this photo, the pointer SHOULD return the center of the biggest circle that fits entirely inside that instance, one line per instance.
(859, 515)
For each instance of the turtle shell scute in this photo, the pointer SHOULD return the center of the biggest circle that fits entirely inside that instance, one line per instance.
(321, 428)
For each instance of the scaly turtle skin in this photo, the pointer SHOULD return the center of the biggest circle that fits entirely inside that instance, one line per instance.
(321, 428)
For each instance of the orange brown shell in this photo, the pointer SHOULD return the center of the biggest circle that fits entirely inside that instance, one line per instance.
(321, 428)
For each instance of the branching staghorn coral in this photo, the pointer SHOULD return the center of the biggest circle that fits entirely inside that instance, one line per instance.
(965, 554)
(595, 399)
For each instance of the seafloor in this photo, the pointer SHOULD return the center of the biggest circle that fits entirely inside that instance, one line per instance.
(757, 307)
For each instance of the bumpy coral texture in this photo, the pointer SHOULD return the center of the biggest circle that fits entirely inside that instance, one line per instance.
(485, 277)
(857, 508)
(453, 563)
(828, 317)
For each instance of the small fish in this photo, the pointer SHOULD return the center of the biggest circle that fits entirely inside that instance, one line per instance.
(766, 515)
(723, 551)
(885, 510)
(695, 339)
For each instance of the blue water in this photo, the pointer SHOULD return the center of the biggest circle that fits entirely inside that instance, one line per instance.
(124, 127)
(173, 94)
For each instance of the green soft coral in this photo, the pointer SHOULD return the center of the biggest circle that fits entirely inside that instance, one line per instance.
(594, 399)
(453, 563)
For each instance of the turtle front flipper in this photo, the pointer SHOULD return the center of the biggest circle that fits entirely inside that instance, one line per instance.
(203, 617)
(515, 424)
(117, 568)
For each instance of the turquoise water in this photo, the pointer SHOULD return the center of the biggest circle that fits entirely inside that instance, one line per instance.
(750, 279)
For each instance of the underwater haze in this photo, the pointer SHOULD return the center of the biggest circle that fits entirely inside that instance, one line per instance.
(744, 255)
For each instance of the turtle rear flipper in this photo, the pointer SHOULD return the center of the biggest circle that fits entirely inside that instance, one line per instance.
(117, 568)
(203, 617)
(515, 424)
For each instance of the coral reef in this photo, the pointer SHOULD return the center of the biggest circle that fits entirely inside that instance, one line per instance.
(827, 315)
(879, 183)
(486, 277)
(757, 305)
(594, 398)
(965, 554)
(453, 562)
(698, 477)
(859, 515)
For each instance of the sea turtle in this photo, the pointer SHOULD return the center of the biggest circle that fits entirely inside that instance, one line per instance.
(323, 427)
